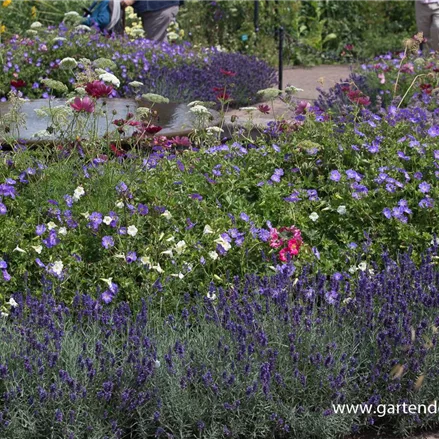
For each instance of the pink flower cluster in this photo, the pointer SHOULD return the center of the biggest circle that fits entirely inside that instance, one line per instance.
(289, 238)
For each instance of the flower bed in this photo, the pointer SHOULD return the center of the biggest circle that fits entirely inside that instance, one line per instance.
(236, 288)
(179, 72)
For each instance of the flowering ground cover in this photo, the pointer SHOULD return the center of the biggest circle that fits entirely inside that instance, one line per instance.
(215, 287)
(179, 72)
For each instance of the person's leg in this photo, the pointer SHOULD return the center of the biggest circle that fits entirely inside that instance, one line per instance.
(155, 24)
(423, 19)
(434, 31)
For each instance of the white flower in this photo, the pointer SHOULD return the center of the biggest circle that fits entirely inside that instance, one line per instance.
(362, 266)
(135, 84)
(156, 364)
(12, 302)
(158, 268)
(4, 314)
(119, 204)
(108, 281)
(171, 239)
(167, 252)
(347, 300)
(51, 225)
(291, 89)
(59, 39)
(132, 230)
(249, 109)
(68, 63)
(213, 255)
(145, 260)
(207, 229)
(211, 296)
(120, 256)
(200, 110)
(58, 267)
(36, 25)
(107, 220)
(224, 244)
(212, 130)
(38, 248)
(352, 269)
(155, 98)
(20, 250)
(62, 231)
(71, 14)
(314, 216)
(109, 77)
(435, 241)
(167, 214)
(78, 193)
(341, 210)
(180, 247)
(83, 27)
(269, 93)
(179, 275)
(86, 215)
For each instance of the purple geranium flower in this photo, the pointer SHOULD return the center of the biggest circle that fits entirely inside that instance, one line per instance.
(433, 131)
(335, 175)
(107, 242)
(3, 209)
(142, 209)
(7, 190)
(41, 228)
(107, 297)
(131, 257)
(424, 187)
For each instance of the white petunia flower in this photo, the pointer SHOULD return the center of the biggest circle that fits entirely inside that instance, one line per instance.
(167, 214)
(37, 248)
(62, 231)
(12, 302)
(180, 247)
(224, 244)
(362, 266)
(107, 220)
(119, 204)
(51, 225)
(213, 255)
(20, 250)
(78, 193)
(314, 217)
(132, 230)
(211, 296)
(167, 252)
(207, 229)
(158, 268)
(145, 260)
(58, 267)
(341, 210)
(179, 275)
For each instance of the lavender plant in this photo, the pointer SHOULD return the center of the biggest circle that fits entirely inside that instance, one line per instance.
(261, 357)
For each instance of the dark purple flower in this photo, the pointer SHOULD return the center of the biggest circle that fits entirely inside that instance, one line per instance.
(131, 257)
(142, 209)
(196, 197)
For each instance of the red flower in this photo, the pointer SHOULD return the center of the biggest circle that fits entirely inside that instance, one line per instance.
(223, 96)
(151, 129)
(118, 152)
(18, 83)
(426, 88)
(357, 97)
(227, 72)
(181, 141)
(218, 89)
(84, 104)
(264, 108)
(98, 89)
